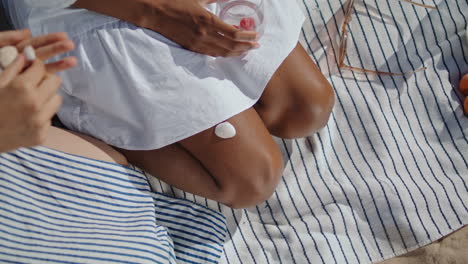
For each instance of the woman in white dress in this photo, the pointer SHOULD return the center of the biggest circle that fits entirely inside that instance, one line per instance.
(154, 79)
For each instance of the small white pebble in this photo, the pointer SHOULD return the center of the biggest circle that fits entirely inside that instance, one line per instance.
(225, 130)
(8, 54)
(30, 53)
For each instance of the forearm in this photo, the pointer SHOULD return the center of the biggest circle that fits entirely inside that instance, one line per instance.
(133, 11)
(186, 22)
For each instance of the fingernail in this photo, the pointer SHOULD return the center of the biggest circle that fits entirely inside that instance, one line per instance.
(256, 46)
(30, 53)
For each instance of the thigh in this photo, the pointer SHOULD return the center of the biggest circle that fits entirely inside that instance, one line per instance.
(82, 145)
(253, 148)
(220, 157)
(249, 165)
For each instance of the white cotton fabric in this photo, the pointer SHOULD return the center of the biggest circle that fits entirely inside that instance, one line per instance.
(50, 3)
(135, 89)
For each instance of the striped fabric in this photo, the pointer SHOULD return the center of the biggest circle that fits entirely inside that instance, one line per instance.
(59, 208)
(389, 172)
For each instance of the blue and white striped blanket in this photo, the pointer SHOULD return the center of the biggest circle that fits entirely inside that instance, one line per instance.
(389, 172)
(387, 175)
(60, 208)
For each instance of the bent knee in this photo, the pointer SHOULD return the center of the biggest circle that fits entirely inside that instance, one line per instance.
(308, 116)
(305, 115)
(255, 184)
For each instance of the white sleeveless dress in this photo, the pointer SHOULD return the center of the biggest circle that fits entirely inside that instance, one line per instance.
(135, 89)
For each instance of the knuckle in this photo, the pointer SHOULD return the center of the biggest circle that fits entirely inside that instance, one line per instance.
(203, 19)
(59, 47)
(201, 32)
(30, 105)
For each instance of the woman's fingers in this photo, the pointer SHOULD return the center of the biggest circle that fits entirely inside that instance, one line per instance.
(33, 75)
(48, 88)
(14, 37)
(41, 41)
(231, 32)
(205, 2)
(216, 47)
(61, 65)
(225, 29)
(13, 70)
(42, 105)
(48, 51)
(233, 46)
(49, 46)
(225, 40)
(28, 90)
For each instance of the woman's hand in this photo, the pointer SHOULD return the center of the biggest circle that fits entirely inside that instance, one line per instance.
(28, 101)
(28, 90)
(185, 22)
(46, 47)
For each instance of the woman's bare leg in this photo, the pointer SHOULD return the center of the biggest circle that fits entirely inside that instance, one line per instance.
(239, 172)
(82, 145)
(245, 170)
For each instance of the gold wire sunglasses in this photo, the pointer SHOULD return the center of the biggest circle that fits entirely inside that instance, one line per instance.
(343, 42)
